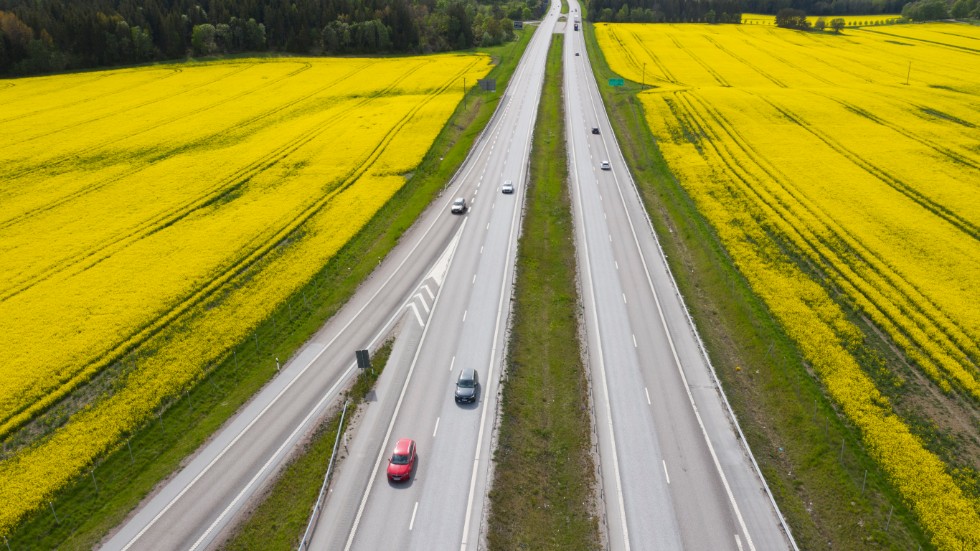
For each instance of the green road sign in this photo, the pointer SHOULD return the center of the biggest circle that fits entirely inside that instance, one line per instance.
(616, 82)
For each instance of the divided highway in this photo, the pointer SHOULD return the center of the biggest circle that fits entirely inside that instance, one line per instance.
(674, 471)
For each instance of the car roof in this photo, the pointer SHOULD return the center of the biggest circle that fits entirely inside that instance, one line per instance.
(403, 445)
(467, 373)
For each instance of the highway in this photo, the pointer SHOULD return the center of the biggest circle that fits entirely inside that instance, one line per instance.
(674, 471)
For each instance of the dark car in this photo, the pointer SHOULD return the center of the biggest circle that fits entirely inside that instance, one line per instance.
(402, 460)
(595, 129)
(467, 386)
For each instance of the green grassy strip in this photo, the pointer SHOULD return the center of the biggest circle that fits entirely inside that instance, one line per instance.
(86, 511)
(812, 458)
(278, 519)
(542, 496)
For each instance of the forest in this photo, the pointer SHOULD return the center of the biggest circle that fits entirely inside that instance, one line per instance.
(39, 36)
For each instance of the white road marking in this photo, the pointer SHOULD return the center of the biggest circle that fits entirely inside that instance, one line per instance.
(481, 249)
(610, 238)
(634, 340)
(738, 542)
(425, 305)
(452, 363)
(488, 225)
(474, 279)
(414, 510)
(464, 315)
(435, 430)
(417, 316)
(624, 298)
(647, 391)
(616, 263)
(428, 291)
(665, 470)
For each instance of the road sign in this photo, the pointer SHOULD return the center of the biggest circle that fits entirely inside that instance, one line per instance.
(487, 84)
(363, 359)
(617, 82)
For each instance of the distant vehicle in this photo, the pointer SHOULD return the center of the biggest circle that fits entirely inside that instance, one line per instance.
(595, 129)
(576, 54)
(508, 187)
(576, 26)
(467, 386)
(459, 206)
(604, 165)
(402, 460)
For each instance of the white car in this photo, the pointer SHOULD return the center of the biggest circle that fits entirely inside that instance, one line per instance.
(459, 206)
(604, 165)
(508, 187)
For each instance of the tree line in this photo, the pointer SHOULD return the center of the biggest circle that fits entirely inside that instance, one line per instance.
(39, 36)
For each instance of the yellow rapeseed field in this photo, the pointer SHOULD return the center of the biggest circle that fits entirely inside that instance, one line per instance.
(174, 207)
(842, 173)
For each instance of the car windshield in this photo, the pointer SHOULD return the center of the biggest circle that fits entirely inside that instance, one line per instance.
(399, 459)
(465, 383)
(458, 202)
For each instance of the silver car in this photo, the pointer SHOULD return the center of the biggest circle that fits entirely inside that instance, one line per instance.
(459, 206)
(508, 187)
(604, 165)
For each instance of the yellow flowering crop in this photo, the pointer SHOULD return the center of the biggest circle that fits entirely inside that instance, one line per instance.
(151, 206)
(857, 158)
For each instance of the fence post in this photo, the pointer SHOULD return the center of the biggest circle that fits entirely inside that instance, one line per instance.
(889, 521)
(56, 520)
(132, 459)
(94, 481)
(842, 452)
(863, 482)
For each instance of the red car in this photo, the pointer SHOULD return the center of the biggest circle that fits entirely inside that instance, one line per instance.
(402, 460)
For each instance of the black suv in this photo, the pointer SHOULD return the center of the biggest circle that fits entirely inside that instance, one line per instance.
(467, 386)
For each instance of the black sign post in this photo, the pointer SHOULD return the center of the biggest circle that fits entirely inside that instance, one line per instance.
(363, 359)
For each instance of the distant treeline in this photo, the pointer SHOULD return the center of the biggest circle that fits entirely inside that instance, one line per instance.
(39, 36)
(728, 11)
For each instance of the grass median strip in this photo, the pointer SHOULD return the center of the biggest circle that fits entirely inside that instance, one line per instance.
(543, 489)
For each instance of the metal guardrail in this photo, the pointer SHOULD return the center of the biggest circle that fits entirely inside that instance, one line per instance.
(315, 515)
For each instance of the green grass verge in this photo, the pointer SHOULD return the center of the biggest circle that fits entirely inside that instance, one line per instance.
(542, 495)
(812, 458)
(83, 513)
(278, 518)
